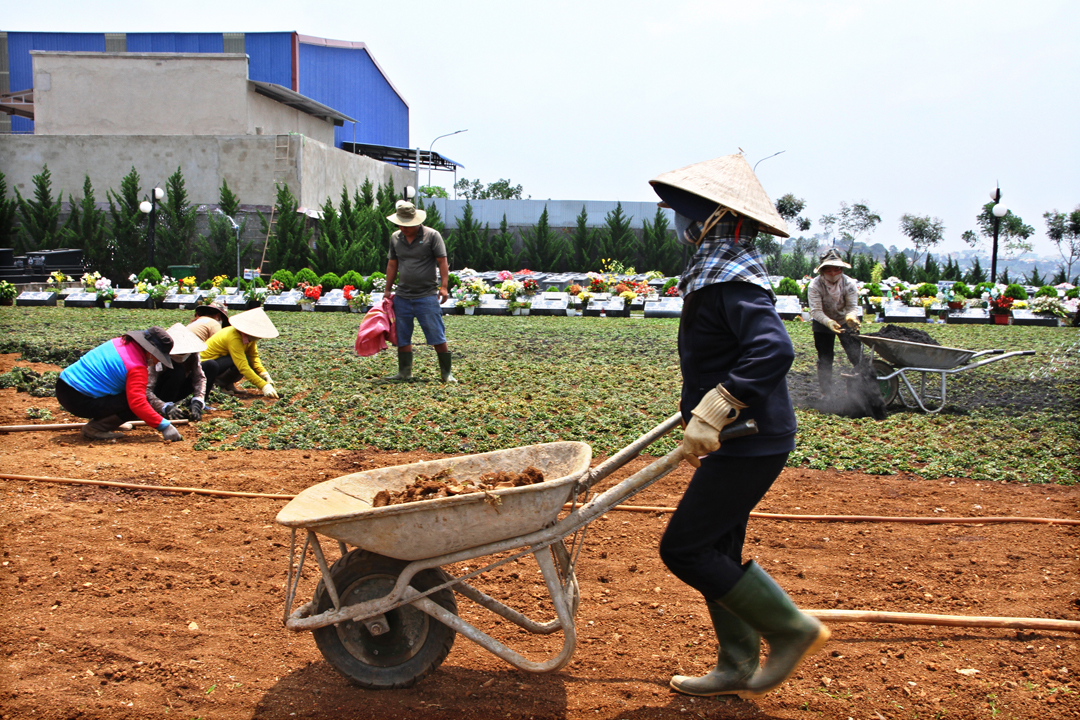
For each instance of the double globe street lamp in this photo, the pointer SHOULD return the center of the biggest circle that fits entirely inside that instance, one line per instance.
(998, 211)
(149, 207)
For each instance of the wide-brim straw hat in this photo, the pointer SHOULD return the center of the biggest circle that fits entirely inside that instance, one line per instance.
(215, 310)
(696, 190)
(155, 341)
(407, 215)
(185, 342)
(831, 257)
(254, 323)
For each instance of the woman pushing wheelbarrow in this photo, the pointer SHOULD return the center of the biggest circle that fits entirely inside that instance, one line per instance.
(734, 354)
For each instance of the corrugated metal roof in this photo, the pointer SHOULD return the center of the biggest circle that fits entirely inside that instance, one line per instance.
(175, 42)
(21, 66)
(269, 57)
(295, 100)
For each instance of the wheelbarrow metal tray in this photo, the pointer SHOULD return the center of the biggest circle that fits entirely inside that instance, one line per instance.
(342, 508)
(903, 353)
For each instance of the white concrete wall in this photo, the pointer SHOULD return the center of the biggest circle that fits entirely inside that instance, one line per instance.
(245, 161)
(81, 93)
(267, 116)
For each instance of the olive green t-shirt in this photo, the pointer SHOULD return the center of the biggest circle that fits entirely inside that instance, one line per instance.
(417, 270)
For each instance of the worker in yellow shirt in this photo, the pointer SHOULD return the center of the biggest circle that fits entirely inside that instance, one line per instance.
(232, 353)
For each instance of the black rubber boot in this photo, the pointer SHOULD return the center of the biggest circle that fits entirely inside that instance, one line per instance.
(101, 429)
(791, 633)
(736, 660)
(404, 367)
(445, 361)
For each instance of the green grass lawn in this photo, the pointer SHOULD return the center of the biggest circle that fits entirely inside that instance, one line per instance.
(536, 379)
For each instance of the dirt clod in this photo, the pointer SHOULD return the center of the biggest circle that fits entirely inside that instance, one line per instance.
(443, 484)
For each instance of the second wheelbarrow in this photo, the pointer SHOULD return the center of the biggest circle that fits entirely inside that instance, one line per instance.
(897, 358)
(385, 615)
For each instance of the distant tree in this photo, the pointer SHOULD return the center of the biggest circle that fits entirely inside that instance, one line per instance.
(216, 250)
(8, 210)
(616, 240)
(924, 232)
(854, 221)
(498, 190)
(789, 208)
(39, 217)
(1034, 278)
(1003, 277)
(127, 228)
(930, 271)
(331, 243)
(827, 223)
(862, 268)
(175, 224)
(584, 250)
(1064, 231)
(545, 249)
(975, 273)
(290, 240)
(433, 191)
(501, 245)
(659, 250)
(466, 245)
(86, 226)
(434, 217)
(897, 266)
(1013, 234)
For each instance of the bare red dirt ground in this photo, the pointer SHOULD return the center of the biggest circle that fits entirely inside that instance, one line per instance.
(143, 604)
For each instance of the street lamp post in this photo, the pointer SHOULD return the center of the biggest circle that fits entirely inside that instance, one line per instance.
(149, 207)
(236, 228)
(433, 145)
(998, 211)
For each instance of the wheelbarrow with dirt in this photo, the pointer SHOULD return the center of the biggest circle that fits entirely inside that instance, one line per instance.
(385, 614)
(898, 360)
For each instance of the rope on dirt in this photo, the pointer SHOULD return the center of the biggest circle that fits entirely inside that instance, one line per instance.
(136, 486)
(70, 426)
(874, 518)
(902, 618)
(625, 508)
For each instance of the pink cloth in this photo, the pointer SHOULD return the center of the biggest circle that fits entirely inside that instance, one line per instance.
(376, 329)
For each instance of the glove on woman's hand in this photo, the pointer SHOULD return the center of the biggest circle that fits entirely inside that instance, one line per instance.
(835, 327)
(702, 435)
(171, 434)
(852, 319)
(266, 376)
(269, 391)
(196, 406)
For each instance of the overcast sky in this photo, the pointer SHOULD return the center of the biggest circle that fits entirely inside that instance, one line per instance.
(915, 107)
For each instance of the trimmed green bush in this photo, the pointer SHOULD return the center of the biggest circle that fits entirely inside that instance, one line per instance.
(787, 286)
(352, 278)
(927, 290)
(1074, 293)
(873, 290)
(369, 281)
(256, 282)
(1047, 291)
(961, 290)
(150, 275)
(454, 281)
(239, 283)
(330, 281)
(983, 287)
(306, 275)
(285, 277)
(1016, 292)
(206, 284)
(672, 282)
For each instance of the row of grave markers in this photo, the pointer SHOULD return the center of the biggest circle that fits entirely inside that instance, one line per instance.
(552, 303)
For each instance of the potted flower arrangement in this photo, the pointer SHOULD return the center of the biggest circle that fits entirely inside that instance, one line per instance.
(1000, 308)
(1045, 305)
(584, 297)
(598, 283)
(89, 279)
(358, 299)
(529, 286)
(311, 295)
(466, 298)
(187, 285)
(276, 287)
(7, 293)
(57, 280)
(105, 291)
(254, 295)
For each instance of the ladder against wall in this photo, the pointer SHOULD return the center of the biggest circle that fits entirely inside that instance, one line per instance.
(283, 164)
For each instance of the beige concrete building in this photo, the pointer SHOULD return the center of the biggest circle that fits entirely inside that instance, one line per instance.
(100, 114)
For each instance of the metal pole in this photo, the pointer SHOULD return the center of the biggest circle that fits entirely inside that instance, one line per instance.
(237, 248)
(433, 145)
(993, 252)
(150, 229)
(417, 170)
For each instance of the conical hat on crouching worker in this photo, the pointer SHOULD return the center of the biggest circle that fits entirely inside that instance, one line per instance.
(185, 342)
(728, 181)
(254, 323)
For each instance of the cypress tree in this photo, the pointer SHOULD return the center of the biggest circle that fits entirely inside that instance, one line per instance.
(659, 249)
(8, 209)
(216, 250)
(175, 224)
(330, 245)
(975, 273)
(127, 227)
(501, 245)
(584, 245)
(39, 218)
(290, 242)
(544, 249)
(86, 228)
(467, 244)
(619, 241)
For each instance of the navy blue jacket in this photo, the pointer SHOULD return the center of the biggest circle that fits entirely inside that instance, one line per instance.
(730, 334)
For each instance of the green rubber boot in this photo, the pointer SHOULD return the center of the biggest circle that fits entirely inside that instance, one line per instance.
(404, 367)
(792, 634)
(736, 660)
(445, 361)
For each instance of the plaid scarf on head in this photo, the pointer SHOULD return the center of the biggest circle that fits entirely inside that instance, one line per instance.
(722, 258)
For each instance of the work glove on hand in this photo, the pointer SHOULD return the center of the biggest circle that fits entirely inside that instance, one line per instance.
(266, 376)
(171, 434)
(166, 409)
(713, 414)
(835, 327)
(852, 319)
(269, 391)
(196, 406)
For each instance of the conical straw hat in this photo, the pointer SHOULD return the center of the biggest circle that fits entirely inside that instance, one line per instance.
(254, 323)
(185, 342)
(727, 181)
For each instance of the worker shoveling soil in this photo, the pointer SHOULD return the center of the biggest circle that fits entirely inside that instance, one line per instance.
(443, 484)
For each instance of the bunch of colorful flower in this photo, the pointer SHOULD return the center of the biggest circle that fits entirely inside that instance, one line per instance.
(509, 290)
(89, 280)
(276, 287)
(999, 304)
(104, 289)
(356, 298)
(598, 283)
(528, 285)
(221, 281)
(1048, 306)
(505, 275)
(313, 292)
(672, 291)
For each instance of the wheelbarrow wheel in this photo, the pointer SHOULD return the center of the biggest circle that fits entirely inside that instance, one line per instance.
(413, 646)
(889, 388)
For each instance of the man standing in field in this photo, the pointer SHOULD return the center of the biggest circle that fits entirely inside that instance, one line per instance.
(416, 252)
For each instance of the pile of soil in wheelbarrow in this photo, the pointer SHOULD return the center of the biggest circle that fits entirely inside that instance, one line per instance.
(443, 484)
(896, 332)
